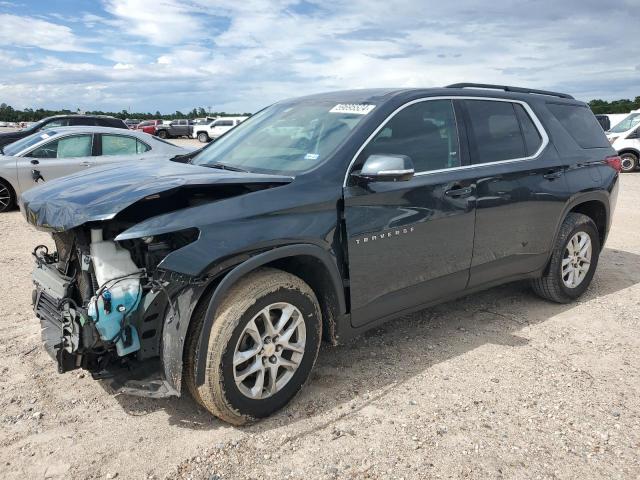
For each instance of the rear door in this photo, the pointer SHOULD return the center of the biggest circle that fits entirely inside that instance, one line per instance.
(521, 189)
(57, 158)
(410, 242)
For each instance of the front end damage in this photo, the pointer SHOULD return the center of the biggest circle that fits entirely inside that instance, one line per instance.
(130, 264)
(102, 304)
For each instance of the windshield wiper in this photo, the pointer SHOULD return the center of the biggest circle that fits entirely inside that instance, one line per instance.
(223, 166)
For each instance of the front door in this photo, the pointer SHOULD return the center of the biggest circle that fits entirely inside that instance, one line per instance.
(410, 242)
(57, 158)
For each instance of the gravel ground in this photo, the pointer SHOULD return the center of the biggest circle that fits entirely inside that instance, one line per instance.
(500, 384)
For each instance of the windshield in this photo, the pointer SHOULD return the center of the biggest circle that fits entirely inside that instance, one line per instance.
(285, 138)
(26, 142)
(628, 123)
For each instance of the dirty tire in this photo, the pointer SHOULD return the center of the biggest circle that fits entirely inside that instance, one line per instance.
(7, 197)
(551, 286)
(629, 162)
(219, 393)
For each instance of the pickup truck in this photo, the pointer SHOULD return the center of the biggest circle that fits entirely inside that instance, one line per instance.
(212, 130)
(177, 128)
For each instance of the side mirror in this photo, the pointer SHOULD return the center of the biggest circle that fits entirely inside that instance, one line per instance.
(386, 168)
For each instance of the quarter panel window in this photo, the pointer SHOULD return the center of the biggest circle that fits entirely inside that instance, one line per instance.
(495, 131)
(119, 145)
(426, 132)
(532, 138)
(142, 147)
(68, 147)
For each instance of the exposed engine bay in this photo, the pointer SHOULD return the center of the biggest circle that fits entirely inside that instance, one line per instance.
(101, 302)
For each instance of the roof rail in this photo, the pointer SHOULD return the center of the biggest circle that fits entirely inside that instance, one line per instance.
(507, 88)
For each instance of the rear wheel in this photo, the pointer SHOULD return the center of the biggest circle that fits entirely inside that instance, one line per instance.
(203, 137)
(7, 197)
(573, 261)
(629, 162)
(261, 348)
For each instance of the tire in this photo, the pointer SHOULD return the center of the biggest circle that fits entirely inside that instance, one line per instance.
(224, 392)
(203, 137)
(7, 196)
(554, 285)
(629, 162)
(163, 134)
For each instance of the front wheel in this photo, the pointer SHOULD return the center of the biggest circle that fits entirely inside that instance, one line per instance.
(628, 162)
(262, 347)
(203, 137)
(573, 261)
(163, 134)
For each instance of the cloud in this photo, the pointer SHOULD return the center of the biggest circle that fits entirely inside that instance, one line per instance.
(33, 32)
(177, 54)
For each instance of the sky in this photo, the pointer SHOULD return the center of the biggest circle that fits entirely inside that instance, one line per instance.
(241, 55)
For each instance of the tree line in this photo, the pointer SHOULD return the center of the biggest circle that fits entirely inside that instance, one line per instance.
(615, 106)
(9, 114)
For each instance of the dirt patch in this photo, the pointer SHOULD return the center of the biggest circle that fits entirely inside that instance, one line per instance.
(499, 384)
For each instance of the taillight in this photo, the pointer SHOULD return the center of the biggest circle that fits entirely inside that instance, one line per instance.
(614, 162)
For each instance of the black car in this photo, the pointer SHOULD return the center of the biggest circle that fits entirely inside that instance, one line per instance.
(604, 122)
(61, 121)
(318, 218)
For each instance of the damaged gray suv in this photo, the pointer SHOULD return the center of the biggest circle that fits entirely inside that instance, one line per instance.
(219, 272)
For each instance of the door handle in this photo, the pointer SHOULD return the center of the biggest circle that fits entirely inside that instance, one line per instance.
(459, 192)
(86, 164)
(35, 162)
(553, 174)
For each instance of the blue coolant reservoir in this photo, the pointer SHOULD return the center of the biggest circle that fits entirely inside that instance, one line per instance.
(109, 312)
(118, 278)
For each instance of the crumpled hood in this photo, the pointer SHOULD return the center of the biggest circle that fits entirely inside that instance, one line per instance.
(101, 193)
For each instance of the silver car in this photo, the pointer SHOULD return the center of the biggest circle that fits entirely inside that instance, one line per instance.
(57, 152)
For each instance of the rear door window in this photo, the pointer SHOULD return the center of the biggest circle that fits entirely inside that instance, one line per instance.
(495, 131)
(580, 122)
(121, 145)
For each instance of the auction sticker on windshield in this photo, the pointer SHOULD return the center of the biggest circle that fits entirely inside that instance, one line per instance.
(356, 108)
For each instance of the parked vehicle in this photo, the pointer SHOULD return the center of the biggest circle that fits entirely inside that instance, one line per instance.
(604, 121)
(625, 138)
(176, 128)
(4, 124)
(61, 121)
(56, 152)
(131, 123)
(317, 218)
(211, 131)
(149, 126)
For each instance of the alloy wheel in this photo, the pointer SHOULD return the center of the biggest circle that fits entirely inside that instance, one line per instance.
(5, 197)
(576, 260)
(269, 351)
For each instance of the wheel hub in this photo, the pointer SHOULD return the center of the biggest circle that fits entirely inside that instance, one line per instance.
(269, 351)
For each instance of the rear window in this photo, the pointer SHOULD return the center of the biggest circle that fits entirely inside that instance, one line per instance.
(581, 124)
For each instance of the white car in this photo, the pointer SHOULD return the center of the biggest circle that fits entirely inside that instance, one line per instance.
(62, 151)
(206, 133)
(625, 138)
